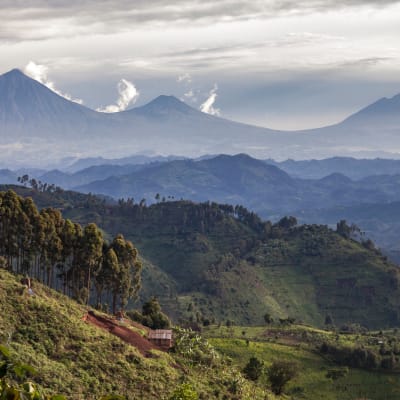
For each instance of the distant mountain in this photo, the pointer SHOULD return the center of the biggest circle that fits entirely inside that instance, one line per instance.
(52, 127)
(136, 159)
(383, 112)
(29, 109)
(228, 179)
(350, 167)
(243, 180)
(8, 177)
(88, 175)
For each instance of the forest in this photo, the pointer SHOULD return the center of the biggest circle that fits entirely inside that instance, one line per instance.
(66, 256)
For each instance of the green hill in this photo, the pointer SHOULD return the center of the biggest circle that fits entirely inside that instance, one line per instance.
(83, 362)
(208, 262)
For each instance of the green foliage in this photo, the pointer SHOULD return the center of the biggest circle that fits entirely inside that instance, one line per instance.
(151, 315)
(194, 347)
(80, 361)
(11, 369)
(268, 318)
(184, 392)
(357, 357)
(280, 373)
(54, 250)
(253, 369)
(336, 373)
(231, 265)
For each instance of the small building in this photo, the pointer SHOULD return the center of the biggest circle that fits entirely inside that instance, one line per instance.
(161, 338)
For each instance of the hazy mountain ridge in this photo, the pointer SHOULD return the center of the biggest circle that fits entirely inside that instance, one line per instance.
(243, 180)
(350, 167)
(168, 126)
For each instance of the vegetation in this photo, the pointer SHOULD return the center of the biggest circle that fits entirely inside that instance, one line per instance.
(65, 256)
(253, 369)
(151, 315)
(184, 392)
(212, 262)
(82, 362)
(280, 373)
(318, 375)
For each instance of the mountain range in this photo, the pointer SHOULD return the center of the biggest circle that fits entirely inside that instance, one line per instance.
(38, 125)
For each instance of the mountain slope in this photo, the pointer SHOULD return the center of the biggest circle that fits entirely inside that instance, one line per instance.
(210, 261)
(28, 107)
(83, 362)
(228, 269)
(29, 112)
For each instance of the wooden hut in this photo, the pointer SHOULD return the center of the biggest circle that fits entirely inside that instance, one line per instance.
(161, 338)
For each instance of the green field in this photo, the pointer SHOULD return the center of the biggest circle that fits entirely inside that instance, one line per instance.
(297, 344)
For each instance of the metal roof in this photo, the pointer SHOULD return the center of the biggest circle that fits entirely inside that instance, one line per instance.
(161, 334)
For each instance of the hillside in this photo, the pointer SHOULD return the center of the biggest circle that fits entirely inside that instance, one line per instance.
(318, 376)
(83, 362)
(231, 269)
(200, 251)
(216, 262)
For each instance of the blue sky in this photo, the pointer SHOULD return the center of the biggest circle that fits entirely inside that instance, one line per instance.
(277, 63)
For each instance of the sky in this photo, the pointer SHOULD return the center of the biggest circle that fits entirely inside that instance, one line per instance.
(282, 64)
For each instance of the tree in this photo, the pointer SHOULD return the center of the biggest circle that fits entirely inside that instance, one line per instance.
(253, 369)
(91, 253)
(280, 373)
(153, 317)
(268, 318)
(128, 282)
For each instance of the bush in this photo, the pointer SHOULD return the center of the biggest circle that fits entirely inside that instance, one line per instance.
(253, 369)
(280, 373)
(151, 315)
(184, 392)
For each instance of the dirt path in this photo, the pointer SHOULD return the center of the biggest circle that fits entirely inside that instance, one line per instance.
(124, 333)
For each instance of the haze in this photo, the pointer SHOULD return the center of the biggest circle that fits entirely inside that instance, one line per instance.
(280, 64)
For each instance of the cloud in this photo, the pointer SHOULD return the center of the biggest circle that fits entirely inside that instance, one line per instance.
(184, 78)
(128, 94)
(208, 106)
(365, 62)
(39, 73)
(41, 19)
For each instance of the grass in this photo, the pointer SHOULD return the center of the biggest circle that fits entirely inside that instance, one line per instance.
(83, 362)
(311, 383)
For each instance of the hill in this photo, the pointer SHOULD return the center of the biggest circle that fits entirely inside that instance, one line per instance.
(84, 362)
(227, 267)
(217, 262)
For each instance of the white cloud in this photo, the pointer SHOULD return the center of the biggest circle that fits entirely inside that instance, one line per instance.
(208, 106)
(128, 94)
(184, 78)
(39, 73)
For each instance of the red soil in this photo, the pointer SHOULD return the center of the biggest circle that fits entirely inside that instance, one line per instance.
(124, 333)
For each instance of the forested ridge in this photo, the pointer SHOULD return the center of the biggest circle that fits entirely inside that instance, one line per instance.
(210, 262)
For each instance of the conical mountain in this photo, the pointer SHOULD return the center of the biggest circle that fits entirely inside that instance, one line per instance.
(385, 111)
(56, 127)
(28, 108)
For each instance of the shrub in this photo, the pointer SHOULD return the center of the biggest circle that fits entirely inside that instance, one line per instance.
(280, 373)
(253, 369)
(184, 392)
